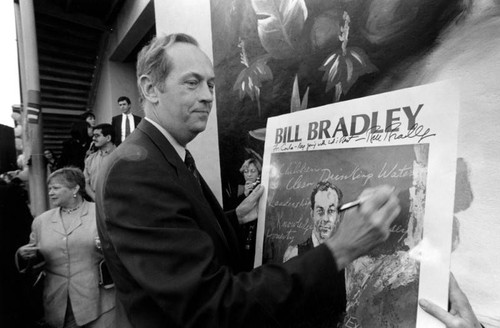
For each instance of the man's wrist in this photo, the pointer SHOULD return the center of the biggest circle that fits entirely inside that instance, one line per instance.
(340, 253)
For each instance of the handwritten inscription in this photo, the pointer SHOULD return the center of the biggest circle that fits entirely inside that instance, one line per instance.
(312, 175)
(416, 131)
(372, 135)
(291, 203)
(287, 230)
(400, 230)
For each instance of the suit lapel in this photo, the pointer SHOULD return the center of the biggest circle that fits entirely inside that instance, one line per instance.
(209, 203)
(57, 224)
(229, 233)
(78, 221)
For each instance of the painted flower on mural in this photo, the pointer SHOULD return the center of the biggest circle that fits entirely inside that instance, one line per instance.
(250, 79)
(326, 30)
(289, 34)
(344, 66)
(388, 20)
(280, 25)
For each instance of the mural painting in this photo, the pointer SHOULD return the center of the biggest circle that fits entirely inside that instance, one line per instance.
(276, 56)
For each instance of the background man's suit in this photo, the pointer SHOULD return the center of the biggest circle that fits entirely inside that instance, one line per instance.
(116, 122)
(174, 254)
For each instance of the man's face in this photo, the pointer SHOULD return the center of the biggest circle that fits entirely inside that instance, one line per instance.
(124, 106)
(185, 104)
(99, 139)
(325, 215)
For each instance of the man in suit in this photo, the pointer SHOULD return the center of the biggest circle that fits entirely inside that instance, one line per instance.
(171, 250)
(125, 123)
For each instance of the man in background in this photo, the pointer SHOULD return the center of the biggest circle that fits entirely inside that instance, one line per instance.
(125, 123)
(103, 137)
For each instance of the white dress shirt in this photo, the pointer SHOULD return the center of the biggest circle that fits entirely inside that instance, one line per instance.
(130, 122)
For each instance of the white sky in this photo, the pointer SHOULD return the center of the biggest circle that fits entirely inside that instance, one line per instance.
(9, 79)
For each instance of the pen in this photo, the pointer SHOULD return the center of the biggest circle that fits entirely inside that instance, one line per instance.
(352, 204)
(355, 203)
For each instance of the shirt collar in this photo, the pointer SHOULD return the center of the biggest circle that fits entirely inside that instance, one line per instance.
(315, 240)
(178, 148)
(108, 151)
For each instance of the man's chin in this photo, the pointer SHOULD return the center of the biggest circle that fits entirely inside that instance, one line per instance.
(325, 235)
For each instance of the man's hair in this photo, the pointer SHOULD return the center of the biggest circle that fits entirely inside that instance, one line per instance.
(107, 130)
(79, 131)
(122, 98)
(324, 186)
(87, 114)
(153, 60)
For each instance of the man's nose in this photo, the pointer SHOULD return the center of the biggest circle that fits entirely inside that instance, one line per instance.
(206, 93)
(327, 217)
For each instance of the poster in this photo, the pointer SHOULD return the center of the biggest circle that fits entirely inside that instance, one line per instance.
(406, 139)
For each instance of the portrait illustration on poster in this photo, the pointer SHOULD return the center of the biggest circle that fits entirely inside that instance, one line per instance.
(318, 159)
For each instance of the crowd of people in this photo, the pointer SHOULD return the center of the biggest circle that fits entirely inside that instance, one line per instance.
(57, 255)
(174, 255)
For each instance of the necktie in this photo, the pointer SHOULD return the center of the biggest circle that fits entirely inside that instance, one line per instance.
(127, 126)
(191, 166)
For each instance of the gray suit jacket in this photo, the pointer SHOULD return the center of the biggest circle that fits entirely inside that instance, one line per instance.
(71, 266)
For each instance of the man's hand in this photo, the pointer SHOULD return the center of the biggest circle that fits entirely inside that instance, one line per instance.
(460, 315)
(365, 226)
(248, 209)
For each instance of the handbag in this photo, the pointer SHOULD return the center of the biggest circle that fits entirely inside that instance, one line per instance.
(105, 280)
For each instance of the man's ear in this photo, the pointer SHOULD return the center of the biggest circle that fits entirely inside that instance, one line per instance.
(149, 91)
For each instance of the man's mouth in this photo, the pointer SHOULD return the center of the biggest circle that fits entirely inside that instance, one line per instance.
(325, 229)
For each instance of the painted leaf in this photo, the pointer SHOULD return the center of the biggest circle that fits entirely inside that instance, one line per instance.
(295, 103)
(250, 79)
(280, 23)
(295, 99)
(342, 70)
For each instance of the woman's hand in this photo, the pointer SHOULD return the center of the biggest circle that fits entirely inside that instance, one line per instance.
(249, 186)
(28, 251)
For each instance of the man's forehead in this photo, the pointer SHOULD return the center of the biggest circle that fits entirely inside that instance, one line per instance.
(190, 59)
(330, 195)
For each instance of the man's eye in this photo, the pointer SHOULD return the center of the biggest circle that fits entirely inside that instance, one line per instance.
(192, 83)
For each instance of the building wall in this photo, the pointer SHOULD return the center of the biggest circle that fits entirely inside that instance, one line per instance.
(118, 77)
